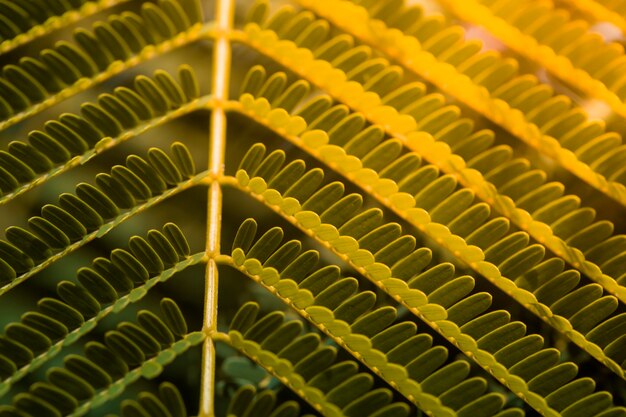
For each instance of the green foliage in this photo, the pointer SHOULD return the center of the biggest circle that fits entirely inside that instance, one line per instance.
(395, 250)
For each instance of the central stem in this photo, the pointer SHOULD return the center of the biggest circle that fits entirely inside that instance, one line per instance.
(219, 88)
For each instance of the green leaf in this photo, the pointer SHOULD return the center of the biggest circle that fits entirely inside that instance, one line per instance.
(153, 405)
(300, 347)
(245, 317)
(334, 375)
(499, 338)
(33, 405)
(78, 298)
(172, 90)
(164, 166)
(177, 239)
(56, 397)
(284, 255)
(468, 308)
(263, 327)
(336, 293)
(97, 286)
(97, 51)
(111, 363)
(33, 339)
(373, 400)
(17, 168)
(129, 32)
(446, 377)
(341, 211)
(110, 39)
(280, 338)
(81, 211)
(183, 160)
(15, 258)
(173, 317)
(53, 329)
(483, 406)
(60, 66)
(324, 197)
(150, 91)
(85, 65)
(392, 336)
(123, 347)
(310, 365)
(129, 265)
(134, 102)
(89, 371)
(486, 323)
(155, 327)
(30, 244)
(157, 21)
(65, 314)
(188, 82)
(355, 306)
(144, 341)
(449, 293)
(118, 110)
(147, 174)
(266, 244)
(301, 266)
(146, 255)
(374, 322)
(101, 119)
(164, 249)
(71, 383)
(172, 399)
(36, 160)
(114, 276)
(349, 390)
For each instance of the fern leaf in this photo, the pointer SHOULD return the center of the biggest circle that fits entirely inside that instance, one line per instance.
(346, 244)
(368, 335)
(372, 141)
(91, 384)
(27, 21)
(478, 96)
(302, 360)
(57, 160)
(63, 229)
(564, 220)
(60, 71)
(601, 12)
(549, 41)
(59, 323)
(168, 402)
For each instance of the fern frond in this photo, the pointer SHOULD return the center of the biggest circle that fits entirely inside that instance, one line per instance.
(247, 402)
(562, 227)
(168, 403)
(93, 212)
(564, 46)
(304, 364)
(106, 287)
(73, 140)
(474, 89)
(38, 19)
(607, 11)
(364, 158)
(340, 225)
(336, 306)
(381, 142)
(36, 84)
(130, 352)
